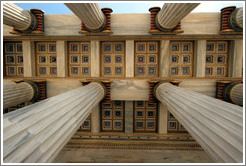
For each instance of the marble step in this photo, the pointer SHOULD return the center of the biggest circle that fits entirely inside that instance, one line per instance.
(132, 144)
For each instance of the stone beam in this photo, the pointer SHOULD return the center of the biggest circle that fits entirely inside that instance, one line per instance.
(216, 125)
(36, 133)
(17, 93)
(18, 18)
(172, 13)
(90, 14)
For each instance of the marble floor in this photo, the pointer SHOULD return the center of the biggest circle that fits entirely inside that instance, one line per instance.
(131, 156)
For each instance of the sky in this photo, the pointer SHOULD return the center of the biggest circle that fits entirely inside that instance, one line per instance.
(128, 7)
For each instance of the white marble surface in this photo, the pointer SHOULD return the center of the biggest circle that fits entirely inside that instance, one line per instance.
(200, 58)
(236, 58)
(172, 13)
(239, 17)
(28, 48)
(216, 125)
(36, 133)
(14, 94)
(164, 58)
(236, 94)
(16, 16)
(129, 58)
(61, 54)
(203, 86)
(128, 24)
(89, 13)
(95, 58)
(129, 90)
(59, 86)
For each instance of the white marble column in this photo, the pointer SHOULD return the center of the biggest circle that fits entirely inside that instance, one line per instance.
(16, 93)
(164, 58)
(28, 58)
(36, 133)
(236, 19)
(95, 58)
(239, 17)
(16, 17)
(216, 125)
(236, 58)
(129, 58)
(236, 94)
(89, 13)
(200, 58)
(61, 56)
(172, 13)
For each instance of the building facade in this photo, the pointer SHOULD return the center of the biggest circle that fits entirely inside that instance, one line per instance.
(198, 54)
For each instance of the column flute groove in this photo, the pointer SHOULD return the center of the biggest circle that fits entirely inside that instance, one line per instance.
(37, 132)
(172, 13)
(236, 20)
(236, 94)
(18, 18)
(216, 125)
(17, 93)
(89, 13)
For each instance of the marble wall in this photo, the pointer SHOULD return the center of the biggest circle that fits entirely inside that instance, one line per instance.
(127, 24)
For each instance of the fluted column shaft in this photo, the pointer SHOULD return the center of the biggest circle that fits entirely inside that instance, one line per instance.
(16, 93)
(216, 125)
(239, 17)
(17, 17)
(38, 132)
(172, 13)
(236, 20)
(236, 94)
(89, 13)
